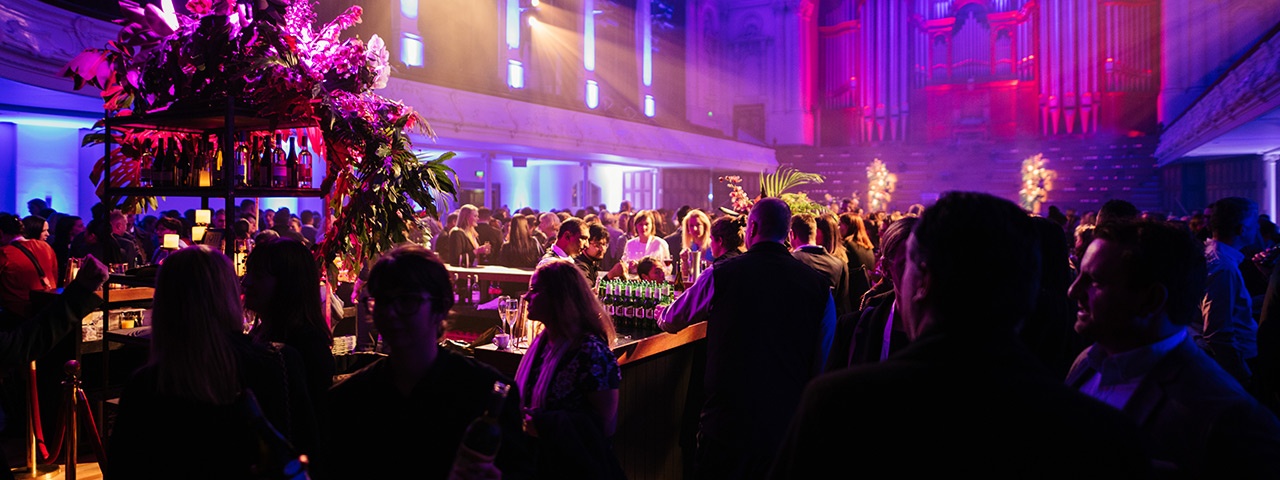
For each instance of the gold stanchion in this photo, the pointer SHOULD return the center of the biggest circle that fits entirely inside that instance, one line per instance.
(32, 470)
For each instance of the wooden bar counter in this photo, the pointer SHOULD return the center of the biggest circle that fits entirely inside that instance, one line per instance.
(658, 403)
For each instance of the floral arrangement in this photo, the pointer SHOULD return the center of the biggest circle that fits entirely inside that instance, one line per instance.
(773, 184)
(880, 186)
(271, 60)
(1037, 181)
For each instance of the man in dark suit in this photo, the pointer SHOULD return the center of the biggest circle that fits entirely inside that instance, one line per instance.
(804, 237)
(971, 276)
(488, 231)
(1139, 286)
(767, 335)
(617, 240)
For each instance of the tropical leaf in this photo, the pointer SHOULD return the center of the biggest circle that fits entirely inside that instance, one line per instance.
(785, 178)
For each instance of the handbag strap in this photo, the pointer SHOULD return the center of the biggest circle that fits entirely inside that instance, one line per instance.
(39, 270)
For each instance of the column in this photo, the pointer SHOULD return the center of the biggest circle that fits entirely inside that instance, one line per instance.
(584, 191)
(488, 180)
(1269, 173)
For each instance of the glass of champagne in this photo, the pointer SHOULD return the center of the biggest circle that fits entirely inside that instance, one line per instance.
(507, 313)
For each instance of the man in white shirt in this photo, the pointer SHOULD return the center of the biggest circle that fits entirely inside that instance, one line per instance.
(570, 241)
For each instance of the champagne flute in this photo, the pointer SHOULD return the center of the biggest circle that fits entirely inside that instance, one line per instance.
(504, 314)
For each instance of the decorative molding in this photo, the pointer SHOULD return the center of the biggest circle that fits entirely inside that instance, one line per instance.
(1245, 92)
(473, 121)
(37, 40)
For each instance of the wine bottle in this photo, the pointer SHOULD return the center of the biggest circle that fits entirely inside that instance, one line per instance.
(304, 164)
(266, 155)
(291, 163)
(483, 437)
(244, 160)
(146, 159)
(279, 164)
(278, 459)
(161, 172)
(186, 159)
(215, 164)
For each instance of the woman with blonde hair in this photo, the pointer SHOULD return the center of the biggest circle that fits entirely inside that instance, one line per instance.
(461, 244)
(695, 236)
(182, 408)
(570, 377)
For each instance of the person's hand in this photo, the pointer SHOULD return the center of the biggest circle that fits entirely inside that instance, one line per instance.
(615, 272)
(530, 427)
(484, 249)
(92, 273)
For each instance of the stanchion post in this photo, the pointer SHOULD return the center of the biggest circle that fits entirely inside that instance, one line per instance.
(72, 369)
(32, 470)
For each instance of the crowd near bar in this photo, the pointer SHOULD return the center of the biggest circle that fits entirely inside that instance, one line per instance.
(639, 239)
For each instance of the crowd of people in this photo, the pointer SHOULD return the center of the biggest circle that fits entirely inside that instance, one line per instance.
(890, 340)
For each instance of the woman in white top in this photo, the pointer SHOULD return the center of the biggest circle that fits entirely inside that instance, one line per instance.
(644, 244)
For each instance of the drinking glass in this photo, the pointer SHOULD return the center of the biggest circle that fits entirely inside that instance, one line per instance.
(511, 305)
(505, 313)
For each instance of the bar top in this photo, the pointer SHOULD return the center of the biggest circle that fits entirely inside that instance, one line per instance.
(631, 348)
(495, 273)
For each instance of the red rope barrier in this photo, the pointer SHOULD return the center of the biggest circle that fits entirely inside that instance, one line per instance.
(35, 415)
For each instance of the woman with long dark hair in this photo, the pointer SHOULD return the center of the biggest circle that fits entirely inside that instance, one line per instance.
(282, 290)
(67, 228)
(179, 413)
(521, 250)
(569, 377)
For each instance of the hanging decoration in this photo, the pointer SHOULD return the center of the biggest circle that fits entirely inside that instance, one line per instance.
(1037, 181)
(880, 186)
(268, 57)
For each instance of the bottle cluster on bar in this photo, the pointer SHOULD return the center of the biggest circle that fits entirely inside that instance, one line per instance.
(261, 160)
(634, 304)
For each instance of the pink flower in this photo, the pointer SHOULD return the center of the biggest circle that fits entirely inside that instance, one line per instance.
(200, 7)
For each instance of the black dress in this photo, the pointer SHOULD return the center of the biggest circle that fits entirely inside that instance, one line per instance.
(160, 436)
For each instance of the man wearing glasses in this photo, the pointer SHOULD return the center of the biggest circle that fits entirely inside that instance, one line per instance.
(590, 259)
(415, 403)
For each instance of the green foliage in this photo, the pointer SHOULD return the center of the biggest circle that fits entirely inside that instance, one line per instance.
(785, 178)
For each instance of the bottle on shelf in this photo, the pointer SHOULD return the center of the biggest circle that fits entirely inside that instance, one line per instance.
(304, 163)
(483, 436)
(265, 158)
(146, 159)
(244, 162)
(475, 289)
(215, 161)
(291, 163)
(186, 160)
(279, 164)
(161, 171)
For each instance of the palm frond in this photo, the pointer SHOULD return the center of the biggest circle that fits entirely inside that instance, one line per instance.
(786, 178)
